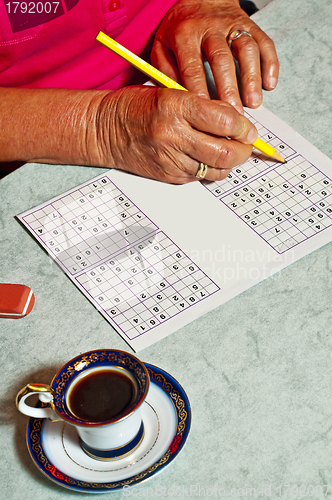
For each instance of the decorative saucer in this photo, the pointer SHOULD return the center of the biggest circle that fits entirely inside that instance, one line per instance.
(166, 414)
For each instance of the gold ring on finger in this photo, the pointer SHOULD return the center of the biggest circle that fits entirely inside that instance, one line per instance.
(235, 35)
(202, 170)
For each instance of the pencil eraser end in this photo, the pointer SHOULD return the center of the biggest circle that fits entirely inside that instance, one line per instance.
(16, 301)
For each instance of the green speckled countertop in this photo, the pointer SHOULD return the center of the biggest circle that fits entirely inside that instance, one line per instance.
(256, 370)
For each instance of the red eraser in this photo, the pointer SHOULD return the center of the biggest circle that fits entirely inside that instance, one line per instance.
(16, 301)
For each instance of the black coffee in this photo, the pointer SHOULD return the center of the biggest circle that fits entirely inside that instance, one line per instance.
(101, 395)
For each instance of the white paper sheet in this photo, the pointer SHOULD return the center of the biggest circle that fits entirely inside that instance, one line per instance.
(153, 257)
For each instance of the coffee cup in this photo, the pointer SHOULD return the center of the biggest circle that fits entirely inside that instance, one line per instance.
(101, 394)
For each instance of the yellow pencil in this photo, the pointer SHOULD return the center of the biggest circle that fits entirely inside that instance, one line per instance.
(164, 80)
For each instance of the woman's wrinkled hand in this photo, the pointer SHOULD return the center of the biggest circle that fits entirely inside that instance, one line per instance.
(164, 134)
(196, 29)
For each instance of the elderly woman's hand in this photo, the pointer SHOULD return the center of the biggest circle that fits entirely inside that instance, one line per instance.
(194, 29)
(164, 134)
(161, 134)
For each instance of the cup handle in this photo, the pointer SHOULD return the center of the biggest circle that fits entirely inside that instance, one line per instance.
(46, 395)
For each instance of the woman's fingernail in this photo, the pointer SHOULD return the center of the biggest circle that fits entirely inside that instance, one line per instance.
(252, 135)
(255, 99)
(273, 82)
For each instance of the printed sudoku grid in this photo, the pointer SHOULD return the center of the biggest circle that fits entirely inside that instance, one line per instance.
(285, 204)
(129, 269)
(89, 224)
(146, 285)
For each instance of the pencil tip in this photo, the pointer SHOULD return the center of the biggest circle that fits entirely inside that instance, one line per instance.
(278, 157)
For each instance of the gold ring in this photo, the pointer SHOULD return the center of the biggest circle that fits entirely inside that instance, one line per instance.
(202, 170)
(236, 34)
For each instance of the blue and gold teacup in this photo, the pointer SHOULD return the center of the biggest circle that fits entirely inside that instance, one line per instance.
(100, 393)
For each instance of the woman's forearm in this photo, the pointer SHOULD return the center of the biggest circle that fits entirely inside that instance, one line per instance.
(54, 126)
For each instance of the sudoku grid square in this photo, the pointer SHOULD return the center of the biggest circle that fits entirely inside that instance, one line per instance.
(284, 204)
(146, 285)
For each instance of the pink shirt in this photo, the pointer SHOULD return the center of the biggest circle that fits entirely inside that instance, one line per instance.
(52, 43)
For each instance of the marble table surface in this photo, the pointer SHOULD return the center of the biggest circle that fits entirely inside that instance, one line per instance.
(256, 369)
